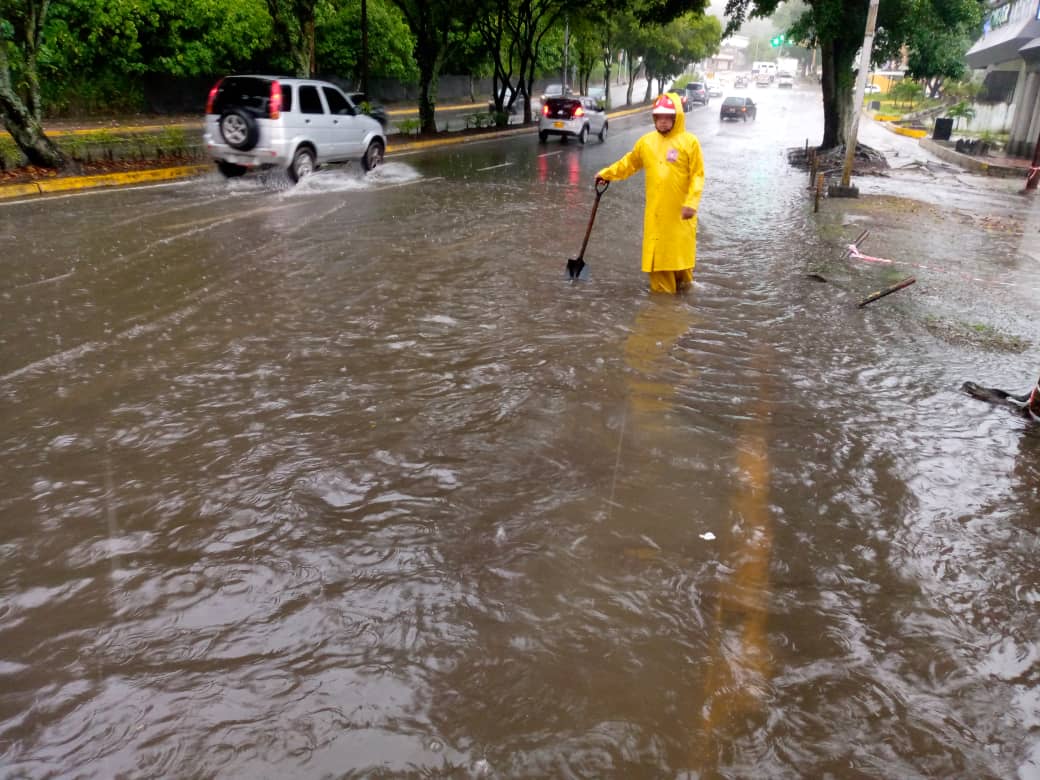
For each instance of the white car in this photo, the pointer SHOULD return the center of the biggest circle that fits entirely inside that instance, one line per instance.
(784, 80)
(577, 116)
(257, 122)
(871, 89)
(714, 89)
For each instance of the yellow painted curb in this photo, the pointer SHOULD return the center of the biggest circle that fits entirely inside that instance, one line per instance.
(65, 183)
(908, 131)
(119, 179)
(888, 117)
(17, 190)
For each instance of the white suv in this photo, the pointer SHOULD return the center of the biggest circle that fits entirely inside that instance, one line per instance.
(576, 117)
(297, 124)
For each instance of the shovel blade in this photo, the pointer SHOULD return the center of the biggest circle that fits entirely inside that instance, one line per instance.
(576, 268)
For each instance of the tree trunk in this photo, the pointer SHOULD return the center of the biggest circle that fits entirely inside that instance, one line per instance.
(631, 79)
(28, 134)
(837, 82)
(428, 58)
(22, 120)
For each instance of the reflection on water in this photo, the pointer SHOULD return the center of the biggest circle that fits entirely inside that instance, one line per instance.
(349, 481)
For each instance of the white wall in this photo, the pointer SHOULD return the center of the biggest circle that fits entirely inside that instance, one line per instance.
(995, 117)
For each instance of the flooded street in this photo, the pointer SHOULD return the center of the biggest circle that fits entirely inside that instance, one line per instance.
(347, 480)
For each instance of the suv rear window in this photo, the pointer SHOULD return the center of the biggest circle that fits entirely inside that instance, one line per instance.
(562, 104)
(248, 92)
(733, 101)
(694, 86)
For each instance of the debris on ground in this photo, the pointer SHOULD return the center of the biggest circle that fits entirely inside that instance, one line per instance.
(867, 160)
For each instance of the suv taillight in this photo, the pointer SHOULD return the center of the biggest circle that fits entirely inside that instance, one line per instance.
(212, 97)
(579, 111)
(274, 104)
(545, 109)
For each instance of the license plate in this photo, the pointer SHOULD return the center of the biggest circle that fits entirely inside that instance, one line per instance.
(557, 124)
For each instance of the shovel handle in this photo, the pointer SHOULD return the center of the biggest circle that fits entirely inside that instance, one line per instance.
(592, 217)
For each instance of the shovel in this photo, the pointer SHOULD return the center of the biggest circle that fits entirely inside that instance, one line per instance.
(576, 265)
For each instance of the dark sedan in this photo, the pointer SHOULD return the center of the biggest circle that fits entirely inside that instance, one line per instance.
(738, 108)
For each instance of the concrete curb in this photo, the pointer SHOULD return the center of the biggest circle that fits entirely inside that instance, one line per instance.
(973, 164)
(67, 183)
(909, 132)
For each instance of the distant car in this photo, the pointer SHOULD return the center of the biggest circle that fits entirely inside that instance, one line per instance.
(740, 81)
(696, 92)
(374, 110)
(872, 89)
(513, 95)
(599, 94)
(572, 117)
(556, 90)
(738, 108)
(763, 79)
(784, 79)
(714, 89)
(258, 122)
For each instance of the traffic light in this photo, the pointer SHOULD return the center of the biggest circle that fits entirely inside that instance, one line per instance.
(777, 40)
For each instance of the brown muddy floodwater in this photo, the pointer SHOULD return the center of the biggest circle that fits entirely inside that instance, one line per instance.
(347, 481)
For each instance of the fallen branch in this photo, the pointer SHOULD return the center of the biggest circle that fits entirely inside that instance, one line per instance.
(887, 291)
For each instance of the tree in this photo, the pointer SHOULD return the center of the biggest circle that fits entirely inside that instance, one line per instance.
(937, 45)
(669, 48)
(339, 42)
(294, 29)
(437, 26)
(960, 111)
(21, 106)
(906, 91)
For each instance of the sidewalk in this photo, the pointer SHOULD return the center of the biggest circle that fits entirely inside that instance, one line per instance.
(993, 164)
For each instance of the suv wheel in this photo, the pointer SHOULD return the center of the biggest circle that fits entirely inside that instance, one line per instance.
(230, 170)
(302, 164)
(542, 136)
(239, 130)
(373, 156)
(603, 132)
(583, 136)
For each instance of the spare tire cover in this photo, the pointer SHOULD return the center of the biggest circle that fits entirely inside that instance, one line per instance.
(239, 130)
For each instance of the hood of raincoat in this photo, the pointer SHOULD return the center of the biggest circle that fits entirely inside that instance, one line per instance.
(680, 117)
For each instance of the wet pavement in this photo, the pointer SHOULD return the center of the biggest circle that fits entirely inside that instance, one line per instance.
(347, 480)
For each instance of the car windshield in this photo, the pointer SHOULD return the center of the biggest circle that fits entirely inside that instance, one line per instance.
(694, 85)
(733, 101)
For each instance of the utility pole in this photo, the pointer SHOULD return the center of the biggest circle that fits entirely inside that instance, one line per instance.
(846, 189)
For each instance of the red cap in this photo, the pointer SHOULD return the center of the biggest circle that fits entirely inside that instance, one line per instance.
(663, 105)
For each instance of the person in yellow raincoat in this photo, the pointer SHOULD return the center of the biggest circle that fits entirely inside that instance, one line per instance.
(674, 169)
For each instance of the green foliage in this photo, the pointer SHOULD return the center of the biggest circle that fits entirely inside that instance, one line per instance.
(963, 90)
(175, 37)
(959, 111)
(338, 34)
(906, 91)
(409, 126)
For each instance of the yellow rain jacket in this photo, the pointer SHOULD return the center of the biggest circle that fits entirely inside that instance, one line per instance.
(674, 178)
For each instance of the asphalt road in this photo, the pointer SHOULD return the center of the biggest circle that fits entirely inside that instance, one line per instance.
(349, 478)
